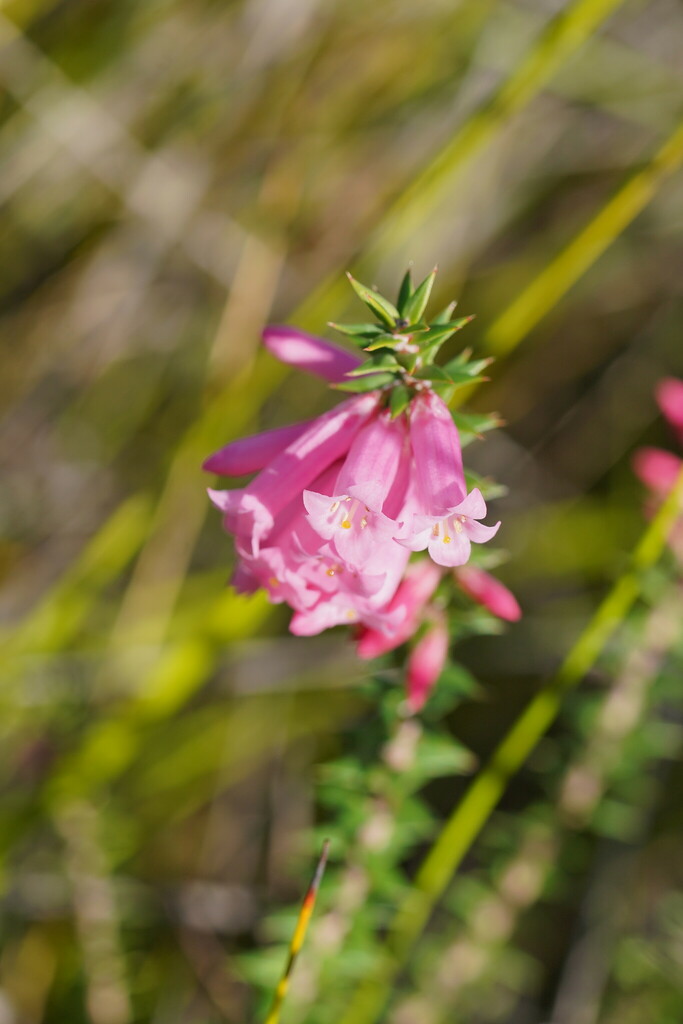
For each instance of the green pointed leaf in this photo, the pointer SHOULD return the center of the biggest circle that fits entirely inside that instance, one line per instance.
(489, 488)
(417, 303)
(432, 372)
(405, 292)
(444, 389)
(397, 339)
(472, 426)
(379, 361)
(399, 400)
(462, 357)
(476, 423)
(458, 370)
(457, 325)
(367, 383)
(381, 307)
(445, 315)
(462, 379)
(357, 330)
(387, 341)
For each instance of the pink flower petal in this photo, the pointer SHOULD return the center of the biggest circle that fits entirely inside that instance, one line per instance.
(328, 438)
(450, 550)
(438, 458)
(473, 506)
(305, 351)
(418, 585)
(371, 466)
(479, 533)
(251, 454)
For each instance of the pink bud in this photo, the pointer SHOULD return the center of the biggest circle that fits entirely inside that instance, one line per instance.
(420, 582)
(426, 663)
(656, 468)
(669, 394)
(252, 454)
(489, 592)
(305, 351)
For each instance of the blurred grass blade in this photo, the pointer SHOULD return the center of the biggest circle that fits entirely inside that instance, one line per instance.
(563, 35)
(552, 283)
(56, 619)
(474, 810)
(298, 936)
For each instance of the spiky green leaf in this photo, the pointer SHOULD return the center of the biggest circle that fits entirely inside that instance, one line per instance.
(397, 339)
(476, 423)
(444, 389)
(379, 361)
(417, 303)
(432, 372)
(381, 307)
(367, 383)
(445, 315)
(357, 330)
(458, 370)
(399, 400)
(488, 487)
(405, 292)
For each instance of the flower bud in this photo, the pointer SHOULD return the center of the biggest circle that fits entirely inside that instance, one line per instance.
(426, 663)
(486, 590)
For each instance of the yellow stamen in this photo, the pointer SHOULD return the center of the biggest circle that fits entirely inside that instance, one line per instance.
(346, 524)
(447, 539)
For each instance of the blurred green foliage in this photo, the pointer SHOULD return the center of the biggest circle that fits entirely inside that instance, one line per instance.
(174, 175)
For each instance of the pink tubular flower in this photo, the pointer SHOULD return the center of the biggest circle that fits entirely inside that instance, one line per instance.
(417, 586)
(306, 352)
(657, 469)
(254, 509)
(353, 521)
(336, 505)
(448, 537)
(669, 394)
(252, 454)
(440, 515)
(486, 590)
(426, 663)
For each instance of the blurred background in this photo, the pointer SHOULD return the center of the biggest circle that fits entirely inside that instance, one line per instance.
(175, 175)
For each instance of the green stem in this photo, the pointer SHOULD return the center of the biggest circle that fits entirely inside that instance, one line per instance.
(472, 813)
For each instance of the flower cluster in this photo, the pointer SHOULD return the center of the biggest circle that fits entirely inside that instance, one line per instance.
(337, 505)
